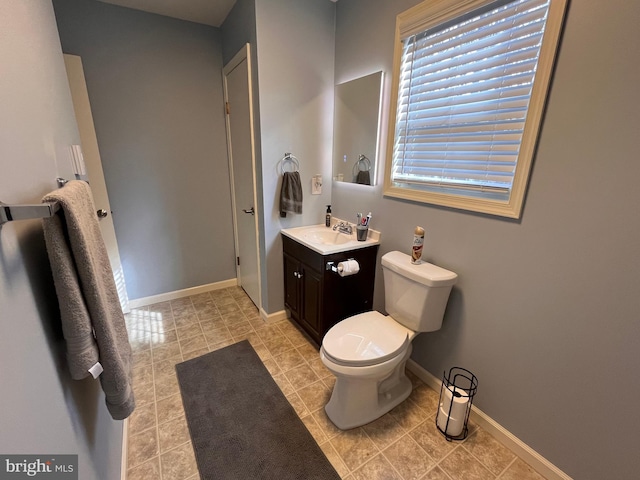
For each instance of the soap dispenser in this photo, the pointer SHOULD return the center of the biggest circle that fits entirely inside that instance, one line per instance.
(327, 218)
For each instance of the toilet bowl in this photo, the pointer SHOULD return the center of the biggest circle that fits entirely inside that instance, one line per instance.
(368, 352)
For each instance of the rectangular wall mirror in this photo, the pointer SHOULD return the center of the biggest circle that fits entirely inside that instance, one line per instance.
(355, 129)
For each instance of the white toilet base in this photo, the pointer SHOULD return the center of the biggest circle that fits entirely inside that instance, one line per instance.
(357, 400)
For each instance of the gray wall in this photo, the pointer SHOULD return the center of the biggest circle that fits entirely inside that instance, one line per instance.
(155, 86)
(43, 410)
(546, 309)
(295, 69)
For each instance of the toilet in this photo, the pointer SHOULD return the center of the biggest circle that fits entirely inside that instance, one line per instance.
(368, 352)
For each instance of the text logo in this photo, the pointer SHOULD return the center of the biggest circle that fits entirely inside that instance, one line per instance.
(45, 467)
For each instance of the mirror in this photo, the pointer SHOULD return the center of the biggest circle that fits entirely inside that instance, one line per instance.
(355, 129)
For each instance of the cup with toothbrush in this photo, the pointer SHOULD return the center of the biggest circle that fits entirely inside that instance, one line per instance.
(362, 227)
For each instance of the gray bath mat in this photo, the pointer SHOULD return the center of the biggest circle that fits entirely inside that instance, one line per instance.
(241, 424)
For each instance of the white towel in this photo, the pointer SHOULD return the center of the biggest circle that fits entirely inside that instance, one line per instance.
(92, 320)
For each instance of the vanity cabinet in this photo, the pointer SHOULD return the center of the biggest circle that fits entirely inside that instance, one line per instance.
(317, 297)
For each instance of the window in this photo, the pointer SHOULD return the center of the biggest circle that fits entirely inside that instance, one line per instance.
(470, 82)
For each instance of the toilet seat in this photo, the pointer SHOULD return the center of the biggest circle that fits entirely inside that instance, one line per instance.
(365, 339)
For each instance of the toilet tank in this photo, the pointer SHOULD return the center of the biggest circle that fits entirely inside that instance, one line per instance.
(416, 295)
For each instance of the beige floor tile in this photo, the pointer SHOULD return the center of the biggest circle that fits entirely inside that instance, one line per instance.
(195, 353)
(409, 415)
(169, 408)
(240, 328)
(188, 331)
(144, 394)
(284, 384)
(142, 446)
(179, 463)
(186, 320)
(315, 396)
(334, 459)
(519, 470)
(354, 447)
(147, 471)
(378, 468)
(166, 386)
(431, 440)
(426, 398)
(384, 431)
(142, 418)
(168, 351)
(289, 359)
(436, 474)
(408, 458)
(142, 374)
(489, 451)
(173, 433)
(461, 465)
(298, 405)
(329, 429)
(228, 308)
(272, 366)
(162, 337)
(164, 368)
(142, 357)
(301, 376)
(193, 343)
(314, 429)
(183, 311)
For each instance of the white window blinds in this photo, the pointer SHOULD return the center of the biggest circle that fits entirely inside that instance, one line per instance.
(463, 95)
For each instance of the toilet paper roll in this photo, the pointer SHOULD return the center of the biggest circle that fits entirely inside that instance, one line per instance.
(350, 267)
(456, 411)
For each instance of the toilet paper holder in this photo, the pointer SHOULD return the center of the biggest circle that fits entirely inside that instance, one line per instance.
(458, 388)
(333, 266)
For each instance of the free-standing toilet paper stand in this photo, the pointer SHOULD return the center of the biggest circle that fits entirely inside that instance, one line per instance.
(456, 396)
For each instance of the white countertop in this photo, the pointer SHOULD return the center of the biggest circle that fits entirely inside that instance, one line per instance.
(325, 240)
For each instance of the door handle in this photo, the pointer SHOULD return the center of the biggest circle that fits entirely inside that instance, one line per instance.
(251, 211)
(102, 213)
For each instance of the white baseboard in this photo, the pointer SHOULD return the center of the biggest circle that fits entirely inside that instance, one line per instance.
(273, 317)
(543, 466)
(125, 443)
(164, 297)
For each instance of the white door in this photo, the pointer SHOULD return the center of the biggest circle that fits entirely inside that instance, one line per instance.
(93, 163)
(237, 95)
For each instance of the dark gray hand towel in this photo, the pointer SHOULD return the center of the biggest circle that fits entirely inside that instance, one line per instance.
(363, 177)
(291, 194)
(92, 320)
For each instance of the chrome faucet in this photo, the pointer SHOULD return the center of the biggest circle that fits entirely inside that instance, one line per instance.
(343, 227)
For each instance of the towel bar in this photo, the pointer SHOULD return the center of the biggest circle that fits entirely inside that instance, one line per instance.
(9, 213)
(26, 212)
(293, 162)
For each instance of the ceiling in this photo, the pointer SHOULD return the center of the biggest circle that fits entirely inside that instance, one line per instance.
(209, 12)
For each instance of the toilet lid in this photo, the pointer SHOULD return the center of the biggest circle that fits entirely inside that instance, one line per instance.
(365, 339)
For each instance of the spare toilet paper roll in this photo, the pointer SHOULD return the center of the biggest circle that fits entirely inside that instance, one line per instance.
(350, 267)
(456, 411)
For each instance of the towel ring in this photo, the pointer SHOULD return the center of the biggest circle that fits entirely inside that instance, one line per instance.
(290, 160)
(362, 165)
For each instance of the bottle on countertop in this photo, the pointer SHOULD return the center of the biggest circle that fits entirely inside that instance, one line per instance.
(418, 243)
(327, 218)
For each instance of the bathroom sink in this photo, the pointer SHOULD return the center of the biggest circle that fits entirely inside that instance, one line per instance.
(326, 236)
(326, 240)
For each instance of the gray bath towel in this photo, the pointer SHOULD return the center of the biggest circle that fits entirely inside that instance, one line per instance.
(291, 194)
(92, 320)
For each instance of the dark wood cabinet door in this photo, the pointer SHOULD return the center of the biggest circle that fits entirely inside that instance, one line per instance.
(312, 300)
(292, 285)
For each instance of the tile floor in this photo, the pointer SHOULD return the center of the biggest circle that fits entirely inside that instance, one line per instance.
(404, 444)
